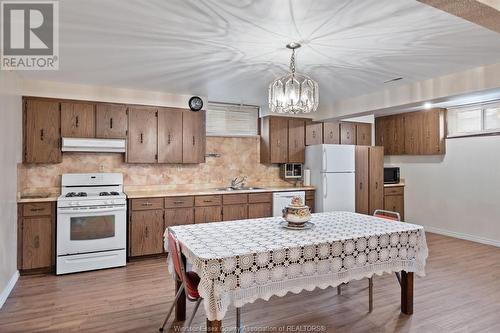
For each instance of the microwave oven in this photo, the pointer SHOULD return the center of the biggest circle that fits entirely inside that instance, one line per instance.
(391, 175)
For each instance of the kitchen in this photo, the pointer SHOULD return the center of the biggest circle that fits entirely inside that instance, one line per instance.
(99, 168)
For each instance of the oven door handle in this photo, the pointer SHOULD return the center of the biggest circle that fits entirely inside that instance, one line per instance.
(90, 210)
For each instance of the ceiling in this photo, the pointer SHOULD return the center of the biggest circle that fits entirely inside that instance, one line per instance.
(230, 50)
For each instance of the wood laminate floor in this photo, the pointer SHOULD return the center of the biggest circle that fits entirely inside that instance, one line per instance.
(461, 293)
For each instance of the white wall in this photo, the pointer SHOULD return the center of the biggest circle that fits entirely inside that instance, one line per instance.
(456, 194)
(10, 155)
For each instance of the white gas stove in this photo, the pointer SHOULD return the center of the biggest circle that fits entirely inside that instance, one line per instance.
(91, 222)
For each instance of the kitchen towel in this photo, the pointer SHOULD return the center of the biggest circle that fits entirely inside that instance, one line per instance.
(307, 177)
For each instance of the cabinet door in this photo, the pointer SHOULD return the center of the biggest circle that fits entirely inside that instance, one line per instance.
(347, 133)
(389, 133)
(259, 210)
(278, 133)
(296, 140)
(362, 180)
(235, 212)
(395, 203)
(169, 135)
(42, 137)
(77, 120)
(314, 133)
(179, 216)
(111, 121)
(433, 128)
(414, 133)
(146, 232)
(376, 179)
(207, 214)
(37, 242)
(142, 135)
(193, 136)
(331, 132)
(364, 134)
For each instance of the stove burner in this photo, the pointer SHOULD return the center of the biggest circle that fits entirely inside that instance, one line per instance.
(115, 193)
(103, 194)
(74, 194)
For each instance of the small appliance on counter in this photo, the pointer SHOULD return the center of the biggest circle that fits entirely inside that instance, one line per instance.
(391, 175)
(291, 171)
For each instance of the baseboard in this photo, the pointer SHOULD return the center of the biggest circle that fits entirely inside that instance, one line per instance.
(8, 288)
(473, 238)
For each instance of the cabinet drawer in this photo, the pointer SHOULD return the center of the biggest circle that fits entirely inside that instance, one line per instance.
(228, 199)
(147, 203)
(173, 202)
(37, 209)
(208, 200)
(309, 195)
(397, 190)
(260, 197)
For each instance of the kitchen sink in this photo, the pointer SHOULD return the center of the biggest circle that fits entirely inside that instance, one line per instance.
(231, 189)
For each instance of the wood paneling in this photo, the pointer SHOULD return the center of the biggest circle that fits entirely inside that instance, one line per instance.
(179, 216)
(362, 180)
(259, 210)
(170, 135)
(235, 212)
(193, 134)
(37, 242)
(363, 134)
(146, 232)
(37, 209)
(208, 200)
(296, 140)
(111, 121)
(142, 135)
(376, 182)
(314, 133)
(146, 203)
(331, 132)
(77, 120)
(42, 138)
(347, 133)
(207, 214)
(174, 202)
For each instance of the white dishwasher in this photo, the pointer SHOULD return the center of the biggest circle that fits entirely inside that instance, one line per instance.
(283, 199)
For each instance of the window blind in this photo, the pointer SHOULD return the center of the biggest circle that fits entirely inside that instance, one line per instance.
(231, 119)
(474, 119)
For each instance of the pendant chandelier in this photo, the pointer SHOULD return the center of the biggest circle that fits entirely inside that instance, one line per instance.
(293, 93)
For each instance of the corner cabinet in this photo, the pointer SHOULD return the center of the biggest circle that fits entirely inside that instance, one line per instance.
(42, 131)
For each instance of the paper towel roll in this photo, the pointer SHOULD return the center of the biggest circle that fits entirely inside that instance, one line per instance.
(307, 177)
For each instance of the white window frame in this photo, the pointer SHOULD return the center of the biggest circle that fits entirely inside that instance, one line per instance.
(224, 132)
(482, 131)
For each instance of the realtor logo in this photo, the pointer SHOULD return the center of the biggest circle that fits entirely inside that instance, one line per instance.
(30, 35)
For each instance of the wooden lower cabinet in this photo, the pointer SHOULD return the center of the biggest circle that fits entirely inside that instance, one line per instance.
(146, 232)
(260, 210)
(207, 214)
(234, 212)
(310, 200)
(36, 236)
(394, 200)
(179, 216)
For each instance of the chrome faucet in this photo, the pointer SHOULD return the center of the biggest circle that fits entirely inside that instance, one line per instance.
(238, 182)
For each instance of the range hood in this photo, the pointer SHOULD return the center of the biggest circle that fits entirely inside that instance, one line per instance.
(93, 145)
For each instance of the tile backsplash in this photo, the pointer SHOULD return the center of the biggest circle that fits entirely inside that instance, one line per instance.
(238, 156)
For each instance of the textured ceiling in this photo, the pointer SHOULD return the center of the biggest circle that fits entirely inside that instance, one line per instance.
(231, 50)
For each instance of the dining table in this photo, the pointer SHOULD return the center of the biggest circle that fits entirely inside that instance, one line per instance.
(242, 261)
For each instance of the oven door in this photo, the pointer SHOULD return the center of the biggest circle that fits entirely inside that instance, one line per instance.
(90, 229)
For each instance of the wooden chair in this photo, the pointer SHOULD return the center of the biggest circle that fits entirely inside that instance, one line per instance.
(189, 283)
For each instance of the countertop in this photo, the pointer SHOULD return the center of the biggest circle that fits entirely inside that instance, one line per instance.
(152, 193)
(401, 183)
(37, 197)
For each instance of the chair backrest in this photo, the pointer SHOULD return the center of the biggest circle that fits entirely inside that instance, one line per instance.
(387, 214)
(175, 252)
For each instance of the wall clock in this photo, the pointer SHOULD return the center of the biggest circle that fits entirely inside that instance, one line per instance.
(195, 103)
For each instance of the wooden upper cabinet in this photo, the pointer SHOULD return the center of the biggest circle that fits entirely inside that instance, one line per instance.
(169, 135)
(347, 133)
(274, 140)
(142, 135)
(42, 138)
(111, 121)
(77, 120)
(193, 136)
(389, 133)
(434, 132)
(331, 132)
(314, 133)
(296, 140)
(363, 134)
(376, 181)
(362, 179)
(413, 130)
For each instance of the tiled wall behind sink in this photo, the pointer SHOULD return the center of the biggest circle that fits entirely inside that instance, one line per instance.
(239, 156)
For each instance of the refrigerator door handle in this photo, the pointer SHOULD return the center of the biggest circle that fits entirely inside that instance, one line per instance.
(325, 163)
(325, 186)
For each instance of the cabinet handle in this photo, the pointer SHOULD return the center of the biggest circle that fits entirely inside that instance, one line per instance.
(361, 186)
(178, 202)
(41, 134)
(77, 121)
(314, 134)
(207, 200)
(146, 204)
(331, 134)
(36, 242)
(193, 140)
(110, 122)
(36, 209)
(142, 141)
(168, 141)
(146, 232)
(376, 185)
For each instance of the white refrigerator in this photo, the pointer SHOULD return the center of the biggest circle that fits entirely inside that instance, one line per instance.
(333, 174)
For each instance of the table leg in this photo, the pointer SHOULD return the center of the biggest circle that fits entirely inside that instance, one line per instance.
(214, 326)
(180, 306)
(407, 292)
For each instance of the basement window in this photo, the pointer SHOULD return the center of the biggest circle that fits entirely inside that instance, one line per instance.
(472, 120)
(224, 119)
